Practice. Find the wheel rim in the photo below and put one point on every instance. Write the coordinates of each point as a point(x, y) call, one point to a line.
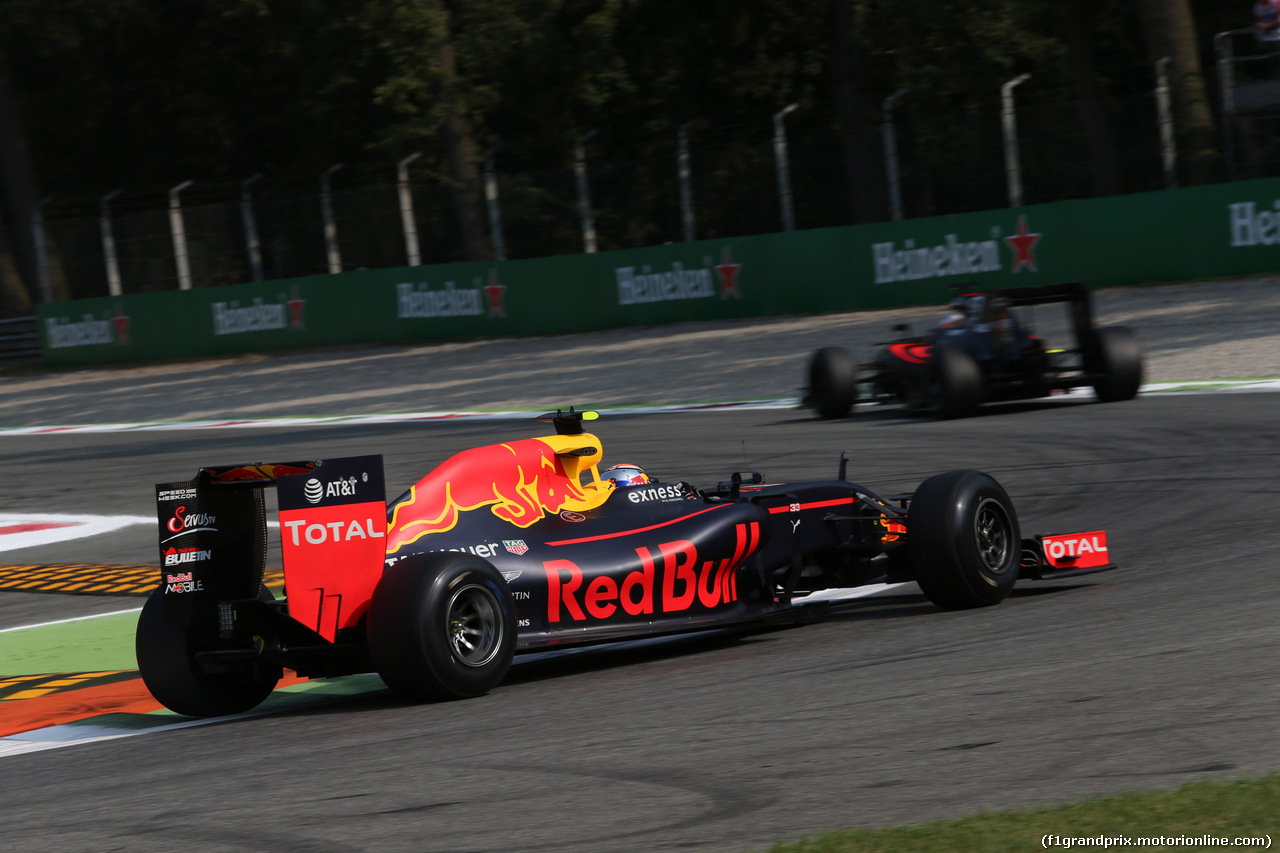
point(474, 625)
point(992, 532)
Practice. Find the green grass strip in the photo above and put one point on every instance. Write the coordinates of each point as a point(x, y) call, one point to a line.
point(86, 645)
point(1184, 817)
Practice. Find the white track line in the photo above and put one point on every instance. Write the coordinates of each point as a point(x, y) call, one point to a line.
point(72, 619)
point(67, 527)
point(71, 734)
point(1198, 386)
point(388, 418)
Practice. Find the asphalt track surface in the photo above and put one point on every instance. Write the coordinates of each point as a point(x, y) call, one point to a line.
point(890, 711)
point(886, 711)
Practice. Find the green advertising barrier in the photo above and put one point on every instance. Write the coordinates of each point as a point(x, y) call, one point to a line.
point(1193, 233)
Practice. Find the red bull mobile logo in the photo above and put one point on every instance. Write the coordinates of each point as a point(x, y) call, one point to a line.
point(522, 481)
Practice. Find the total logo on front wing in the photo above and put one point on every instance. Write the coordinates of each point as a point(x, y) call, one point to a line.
point(1077, 550)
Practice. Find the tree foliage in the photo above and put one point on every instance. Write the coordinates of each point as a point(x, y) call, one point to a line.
point(145, 93)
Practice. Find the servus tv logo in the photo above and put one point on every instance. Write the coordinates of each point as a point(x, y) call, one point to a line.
point(183, 523)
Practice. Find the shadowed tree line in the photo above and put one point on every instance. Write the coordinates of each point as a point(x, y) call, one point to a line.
point(100, 94)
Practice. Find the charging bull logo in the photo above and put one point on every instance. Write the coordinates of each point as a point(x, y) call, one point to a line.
point(522, 481)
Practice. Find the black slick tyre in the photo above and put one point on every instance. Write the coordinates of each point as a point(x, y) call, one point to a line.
point(1117, 367)
point(442, 626)
point(963, 540)
point(955, 383)
point(833, 382)
point(167, 661)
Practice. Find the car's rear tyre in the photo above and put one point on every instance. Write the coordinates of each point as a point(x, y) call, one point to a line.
point(963, 540)
point(833, 382)
point(955, 383)
point(167, 661)
point(442, 626)
point(1117, 364)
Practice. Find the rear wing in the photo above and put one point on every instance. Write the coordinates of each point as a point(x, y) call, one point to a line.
point(1072, 292)
point(213, 540)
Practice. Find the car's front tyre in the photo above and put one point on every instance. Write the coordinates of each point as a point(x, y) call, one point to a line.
point(963, 540)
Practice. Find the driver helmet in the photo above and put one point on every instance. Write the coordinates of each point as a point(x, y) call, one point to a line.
point(625, 475)
point(955, 318)
point(975, 307)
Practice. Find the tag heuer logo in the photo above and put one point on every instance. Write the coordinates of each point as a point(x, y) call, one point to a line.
point(515, 546)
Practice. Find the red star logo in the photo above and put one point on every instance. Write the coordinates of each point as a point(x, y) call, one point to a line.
point(1023, 246)
point(728, 271)
point(296, 306)
point(121, 321)
point(493, 292)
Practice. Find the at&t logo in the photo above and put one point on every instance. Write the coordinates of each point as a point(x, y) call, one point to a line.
point(315, 491)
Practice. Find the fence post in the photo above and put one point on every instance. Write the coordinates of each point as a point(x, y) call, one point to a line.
point(406, 209)
point(330, 227)
point(891, 156)
point(491, 202)
point(782, 163)
point(109, 243)
point(584, 193)
point(1164, 109)
point(1226, 84)
point(1008, 117)
point(250, 228)
point(179, 232)
point(685, 175)
point(42, 250)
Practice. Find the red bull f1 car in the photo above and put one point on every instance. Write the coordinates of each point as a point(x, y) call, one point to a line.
point(524, 545)
point(985, 350)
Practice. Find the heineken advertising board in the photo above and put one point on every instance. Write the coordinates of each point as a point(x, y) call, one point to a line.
point(1194, 233)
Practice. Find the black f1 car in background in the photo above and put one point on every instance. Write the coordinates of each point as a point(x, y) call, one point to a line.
point(523, 545)
point(985, 350)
